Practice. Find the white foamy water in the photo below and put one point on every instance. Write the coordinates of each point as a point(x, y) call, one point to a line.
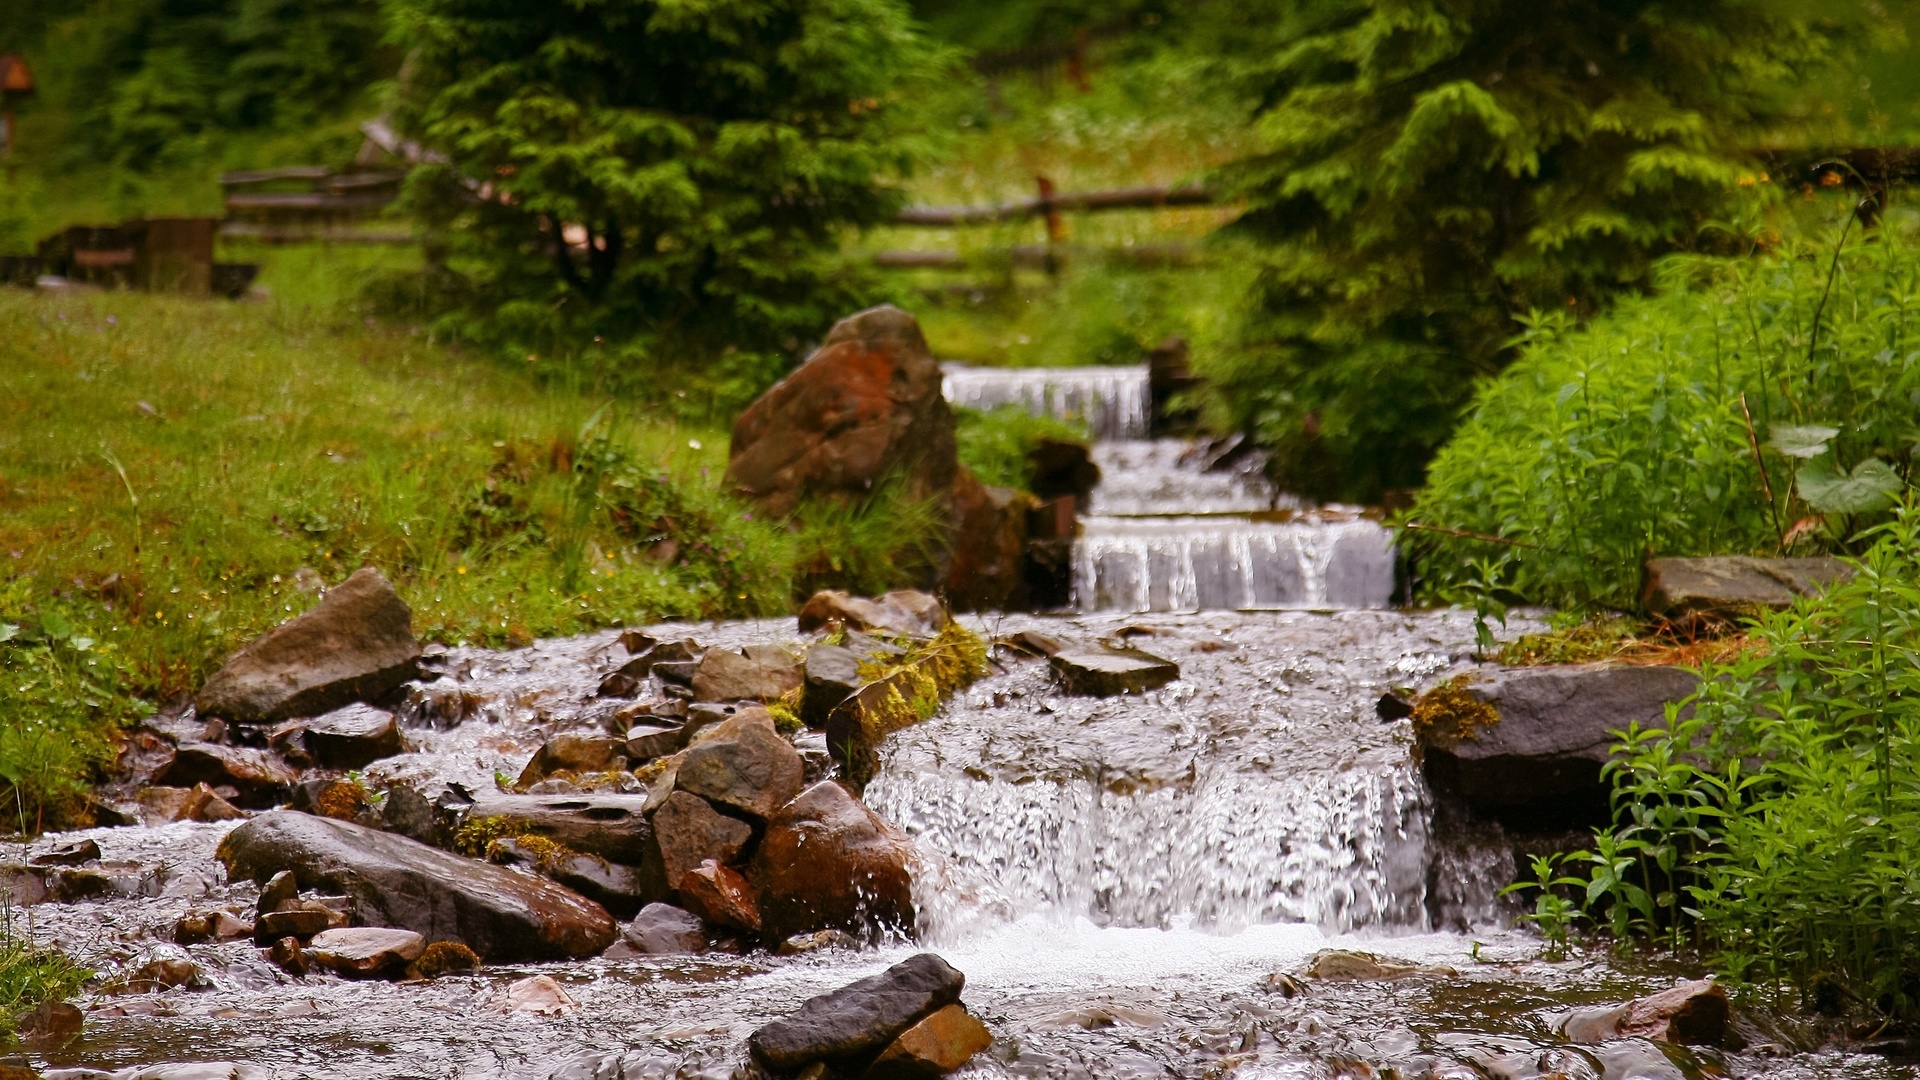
point(1113, 402)
point(1167, 477)
point(1224, 563)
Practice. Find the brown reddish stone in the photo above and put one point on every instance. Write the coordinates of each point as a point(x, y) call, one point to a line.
point(690, 831)
point(987, 571)
point(363, 951)
point(720, 895)
point(937, 1045)
point(865, 407)
point(827, 862)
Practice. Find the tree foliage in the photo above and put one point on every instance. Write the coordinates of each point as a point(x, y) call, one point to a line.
point(669, 176)
point(1430, 168)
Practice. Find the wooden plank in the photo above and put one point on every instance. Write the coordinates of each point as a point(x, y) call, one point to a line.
point(287, 234)
point(270, 176)
point(306, 201)
point(1153, 197)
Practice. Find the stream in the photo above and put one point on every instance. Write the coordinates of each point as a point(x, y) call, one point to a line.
point(1127, 882)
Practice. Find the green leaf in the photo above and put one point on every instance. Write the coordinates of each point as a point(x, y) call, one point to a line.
point(1809, 441)
point(9, 631)
point(55, 626)
point(1873, 485)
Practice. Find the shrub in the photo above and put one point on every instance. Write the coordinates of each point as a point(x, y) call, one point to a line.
point(1631, 438)
point(667, 179)
point(995, 444)
point(1427, 170)
point(1772, 827)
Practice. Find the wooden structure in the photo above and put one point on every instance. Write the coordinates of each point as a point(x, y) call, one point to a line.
point(172, 255)
point(307, 202)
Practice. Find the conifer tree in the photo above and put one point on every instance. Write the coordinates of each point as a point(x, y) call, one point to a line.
point(1429, 169)
point(671, 177)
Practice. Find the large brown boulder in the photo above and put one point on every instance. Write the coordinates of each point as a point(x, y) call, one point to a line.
point(390, 880)
point(987, 570)
point(865, 407)
point(828, 862)
point(355, 645)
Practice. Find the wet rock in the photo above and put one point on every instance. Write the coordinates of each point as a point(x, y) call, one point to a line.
point(1110, 672)
point(1391, 707)
point(201, 804)
point(816, 941)
point(724, 675)
point(646, 740)
point(440, 958)
point(942, 1042)
point(987, 570)
point(832, 675)
point(355, 645)
point(296, 923)
point(742, 763)
point(622, 890)
point(539, 995)
point(278, 891)
point(352, 737)
point(442, 707)
point(407, 812)
point(679, 672)
point(1062, 467)
point(1694, 1013)
point(329, 797)
point(720, 895)
point(856, 1022)
point(665, 930)
point(1034, 643)
point(574, 753)
point(612, 826)
point(903, 612)
point(1524, 746)
point(827, 862)
point(51, 1025)
point(619, 684)
point(637, 641)
point(289, 956)
point(866, 407)
point(197, 926)
point(72, 853)
point(362, 952)
point(393, 881)
point(1731, 587)
point(261, 778)
point(162, 967)
point(690, 831)
point(1341, 965)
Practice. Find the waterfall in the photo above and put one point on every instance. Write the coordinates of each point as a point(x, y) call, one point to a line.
point(1212, 563)
point(1114, 402)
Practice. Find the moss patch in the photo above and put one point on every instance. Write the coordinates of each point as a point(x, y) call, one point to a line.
point(1449, 713)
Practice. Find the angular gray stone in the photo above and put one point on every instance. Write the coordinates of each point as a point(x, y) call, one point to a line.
point(742, 763)
point(903, 613)
point(355, 645)
point(851, 1025)
point(622, 890)
point(392, 881)
point(647, 740)
point(573, 753)
point(1732, 586)
point(1108, 672)
point(351, 737)
point(665, 930)
point(725, 675)
point(690, 831)
point(832, 676)
point(365, 951)
point(1539, 763)
point(611, 826)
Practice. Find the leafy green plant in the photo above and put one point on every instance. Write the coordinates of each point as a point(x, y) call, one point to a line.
point(995, 444)
point(1709, 418)
point(31, 974)
point(1769, 825)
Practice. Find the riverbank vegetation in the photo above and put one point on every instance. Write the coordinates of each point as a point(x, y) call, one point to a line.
point(176, 477)
point(1753, 404)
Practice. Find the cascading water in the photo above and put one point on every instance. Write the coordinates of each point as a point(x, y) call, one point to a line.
point(1168, 529)
point(1114, 402)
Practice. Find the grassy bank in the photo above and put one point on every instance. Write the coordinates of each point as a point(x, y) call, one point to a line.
point(175, 476)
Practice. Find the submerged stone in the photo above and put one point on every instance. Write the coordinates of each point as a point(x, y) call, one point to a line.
point(1110, 672)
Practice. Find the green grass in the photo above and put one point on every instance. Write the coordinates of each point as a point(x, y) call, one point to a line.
point(32, 975)
point(167, 465)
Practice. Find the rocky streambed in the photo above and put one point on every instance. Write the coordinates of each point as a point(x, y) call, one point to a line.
point(1232, 873)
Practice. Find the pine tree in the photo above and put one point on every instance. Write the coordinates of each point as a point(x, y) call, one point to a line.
point(1429, 169)
point(671, 177)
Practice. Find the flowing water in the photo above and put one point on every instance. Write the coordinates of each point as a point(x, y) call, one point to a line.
point(1126, 882)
